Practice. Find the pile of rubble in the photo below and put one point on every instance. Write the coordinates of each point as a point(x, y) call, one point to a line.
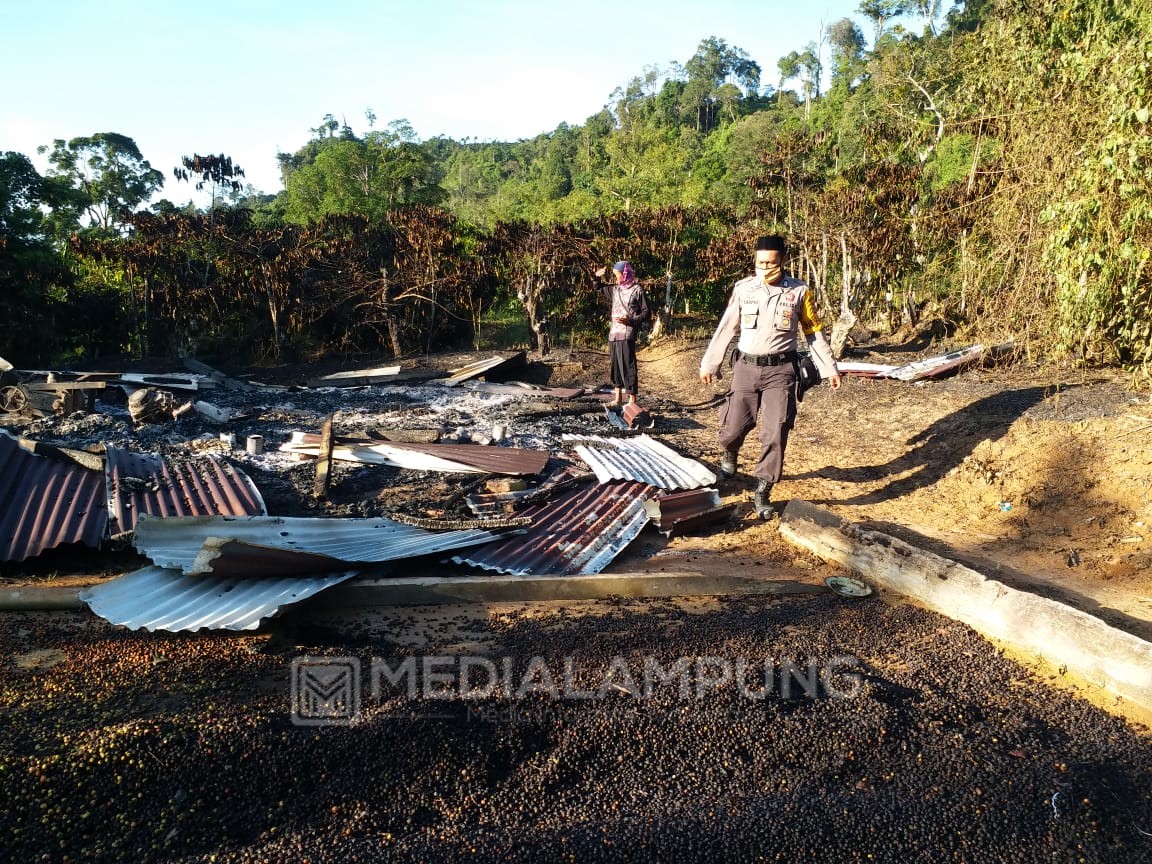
point(504, 476)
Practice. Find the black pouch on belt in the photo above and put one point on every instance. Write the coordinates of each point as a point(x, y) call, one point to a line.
point(807, 376)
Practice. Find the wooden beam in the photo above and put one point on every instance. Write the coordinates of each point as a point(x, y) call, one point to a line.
point(1118, 661)
point(324, 459)
point(194, 365)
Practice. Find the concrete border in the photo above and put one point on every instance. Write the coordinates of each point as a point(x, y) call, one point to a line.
point(472, 588)
point(41, 597)
point(502, 588)
point(1103, 655)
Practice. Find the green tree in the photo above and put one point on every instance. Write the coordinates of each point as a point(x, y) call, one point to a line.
point(368, 177)
point(30, 266)
point(880, 12)
point(109, 174)
point(645, 168)
point(472, 178)
point(716, 73)
point(847, 51)
point(805, 67)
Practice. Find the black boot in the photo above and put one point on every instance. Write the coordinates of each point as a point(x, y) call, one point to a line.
point(762, 499)
point(728, 464)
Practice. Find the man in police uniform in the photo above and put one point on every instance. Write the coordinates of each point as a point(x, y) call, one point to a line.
point(768, 310)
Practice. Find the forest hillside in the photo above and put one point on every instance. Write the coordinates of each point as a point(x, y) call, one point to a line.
point(990, 168)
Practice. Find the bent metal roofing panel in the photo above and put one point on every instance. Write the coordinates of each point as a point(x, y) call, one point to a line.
point(140, 484)
point(176, 542)
point(47, 503)
point(452, 458)
point(578, 532)
point(156, 598)
point(641, 458)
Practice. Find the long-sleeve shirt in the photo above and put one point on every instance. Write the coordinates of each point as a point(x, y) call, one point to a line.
point(625, 302)
point(769, 319)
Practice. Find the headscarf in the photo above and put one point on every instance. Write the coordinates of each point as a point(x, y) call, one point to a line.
point(627, 274)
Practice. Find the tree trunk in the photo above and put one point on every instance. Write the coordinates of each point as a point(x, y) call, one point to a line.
point(389, 315)
point(530, 297)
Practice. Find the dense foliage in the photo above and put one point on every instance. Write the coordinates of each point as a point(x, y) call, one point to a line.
point(991, 166)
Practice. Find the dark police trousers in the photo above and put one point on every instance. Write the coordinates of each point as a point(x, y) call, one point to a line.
point(767, 394)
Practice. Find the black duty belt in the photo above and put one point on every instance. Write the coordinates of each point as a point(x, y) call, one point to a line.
point(769, 359)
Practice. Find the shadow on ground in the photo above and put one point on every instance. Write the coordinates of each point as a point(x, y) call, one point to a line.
point(936, 450)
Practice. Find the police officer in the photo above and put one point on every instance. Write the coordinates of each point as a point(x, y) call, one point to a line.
point(767, 310)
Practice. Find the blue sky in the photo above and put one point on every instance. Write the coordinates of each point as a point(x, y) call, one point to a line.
point(249, 78)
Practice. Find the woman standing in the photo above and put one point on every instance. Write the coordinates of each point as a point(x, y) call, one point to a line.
point(629, 309)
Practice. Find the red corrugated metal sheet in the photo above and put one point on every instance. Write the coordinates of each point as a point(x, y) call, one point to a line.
point(637, 417)
point(46, 503)
point(678, 505)
point(681, 512)
point(580, 532)
point(207, 486)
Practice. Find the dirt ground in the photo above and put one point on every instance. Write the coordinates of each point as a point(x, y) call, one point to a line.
point(181, 746)
point(1039, 477)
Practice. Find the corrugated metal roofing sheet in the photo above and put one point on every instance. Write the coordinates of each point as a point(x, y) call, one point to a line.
point(205, 486)
point(641, 458)
point(493, 460)
point(678, 505)
point(46, 503)
point(680, 512)
point(176, 542)
point(375, 372)
point(156, 598)
point(580, 532)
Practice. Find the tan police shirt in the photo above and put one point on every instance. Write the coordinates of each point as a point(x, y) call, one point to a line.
point(768, 319)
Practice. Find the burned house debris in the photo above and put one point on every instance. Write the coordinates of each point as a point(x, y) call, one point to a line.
point(568, 504)
point(436, 468)
point(63, 498)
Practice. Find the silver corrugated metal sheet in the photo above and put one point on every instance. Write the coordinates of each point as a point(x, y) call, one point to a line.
point(46, 503)
point(174, 381)
point(375, 372)
point(865, 370)
point(205, 486)
point(176, 542)
point(641, 458)
point(580, 532)
point(156, 598)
